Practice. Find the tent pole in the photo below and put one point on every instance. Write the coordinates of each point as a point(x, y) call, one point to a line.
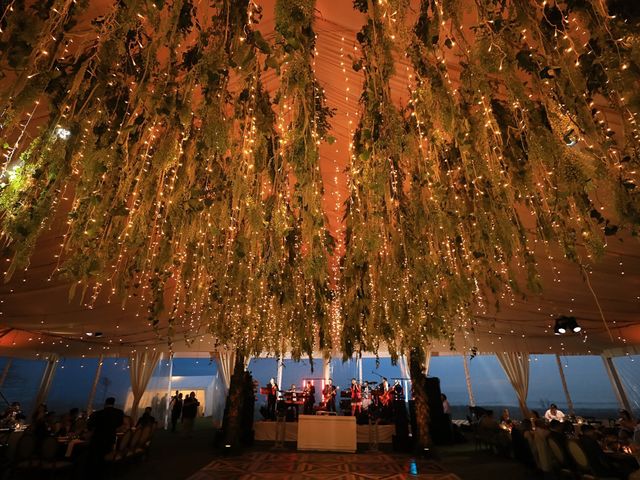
point(616, 383)
point(169, 389)
point(467, 377)
point(280, 365)
point(5, 371)
point(564, 385)
point(94, 385)
point(360, 369)
point(47, 380)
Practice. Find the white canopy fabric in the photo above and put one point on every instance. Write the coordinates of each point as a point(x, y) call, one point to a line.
point(516, 367)
point(226, 359)
point(37, 317)
point(141, 367)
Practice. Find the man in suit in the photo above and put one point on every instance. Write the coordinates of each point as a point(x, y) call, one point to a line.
point(103, 425)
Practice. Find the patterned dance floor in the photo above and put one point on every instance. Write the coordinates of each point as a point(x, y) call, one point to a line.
point(322, 466)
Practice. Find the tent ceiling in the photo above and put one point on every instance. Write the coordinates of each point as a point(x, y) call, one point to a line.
point(36, 315)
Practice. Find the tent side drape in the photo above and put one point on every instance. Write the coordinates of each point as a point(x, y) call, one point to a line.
point(404, 367)
point(141, 367)
point(5, 371)
point(226, 359)
point(427, 361)
point(47, 379)
point(94, 385)
point(516, 366)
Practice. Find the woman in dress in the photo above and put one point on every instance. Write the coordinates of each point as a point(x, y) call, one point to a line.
point(356, 398)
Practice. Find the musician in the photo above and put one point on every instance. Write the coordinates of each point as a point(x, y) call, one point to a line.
point(398, 391)
point(356, 398)
point(366, 395)
point(384, 385)
point(309, 394)
point(272, 398)
point(329, 395)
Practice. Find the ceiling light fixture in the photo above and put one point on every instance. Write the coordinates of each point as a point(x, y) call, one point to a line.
point(565, 324)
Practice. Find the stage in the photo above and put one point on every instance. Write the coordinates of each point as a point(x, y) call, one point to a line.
point(266, 431)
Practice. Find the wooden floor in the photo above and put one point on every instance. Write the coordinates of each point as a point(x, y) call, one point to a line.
point(287, 465)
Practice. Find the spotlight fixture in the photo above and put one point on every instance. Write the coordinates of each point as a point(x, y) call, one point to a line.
point(565, 324)
point(93, 334)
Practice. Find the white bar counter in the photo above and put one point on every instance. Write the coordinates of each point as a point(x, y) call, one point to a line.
point(328, 433)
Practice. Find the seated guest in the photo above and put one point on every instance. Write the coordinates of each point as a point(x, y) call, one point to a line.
point(505, 417)
point(68, 423)
point(627, 423)
point(146, 419)
point(12, 415)
point(521, 439)
point(556, 433)
point(598, 460)
point(543, 456)
point(445, 404)
point(489, 430)
point(554, 414)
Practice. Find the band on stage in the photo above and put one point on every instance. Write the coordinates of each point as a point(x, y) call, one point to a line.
point(369, 397)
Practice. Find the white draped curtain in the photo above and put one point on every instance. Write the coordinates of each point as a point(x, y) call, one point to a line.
point(141, 367)
point(404, 367)
point(427, 361)
point(226, 360)
point(516, 366)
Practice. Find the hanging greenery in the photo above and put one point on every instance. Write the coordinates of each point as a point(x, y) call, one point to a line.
point(451, 195)
point(187, 189)
point(181, 175)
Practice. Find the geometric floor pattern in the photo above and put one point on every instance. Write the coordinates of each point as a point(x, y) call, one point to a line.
point(322, 466)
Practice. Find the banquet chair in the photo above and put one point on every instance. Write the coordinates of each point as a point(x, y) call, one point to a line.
point(582, 462)
point(50, 460)
point(121, 447)
point(145, 441)
point(135, 442)
point(563, 469)
point(25, 457)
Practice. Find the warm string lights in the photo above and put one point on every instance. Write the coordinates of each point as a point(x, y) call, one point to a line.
point(194, 193)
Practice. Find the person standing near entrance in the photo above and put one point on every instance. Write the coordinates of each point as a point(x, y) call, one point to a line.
point(176, 410)
point(189, 413)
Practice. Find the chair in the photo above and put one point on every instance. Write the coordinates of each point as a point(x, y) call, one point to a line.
point(50, 460)
point(563, 469)
point(135, 442)
point(120, 450)
point(582, 461)
point(25, 455)
point(145, 440)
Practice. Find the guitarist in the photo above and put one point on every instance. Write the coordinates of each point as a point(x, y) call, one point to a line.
point(329, 395)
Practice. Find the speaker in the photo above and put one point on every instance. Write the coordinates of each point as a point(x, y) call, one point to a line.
point(439, 423)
